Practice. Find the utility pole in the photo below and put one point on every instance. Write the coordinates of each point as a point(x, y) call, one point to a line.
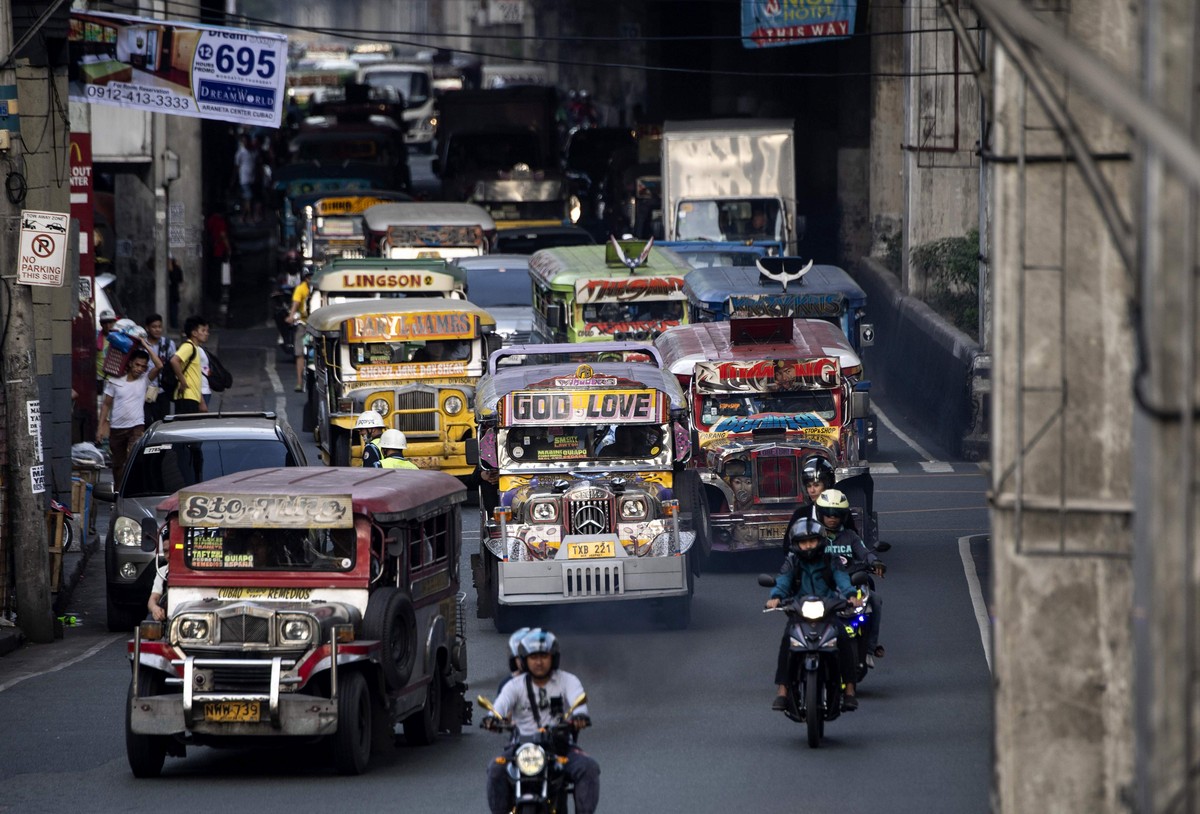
point(26, 507)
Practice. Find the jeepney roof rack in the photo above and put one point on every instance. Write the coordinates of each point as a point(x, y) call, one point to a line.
point(575, 351)
point(761, 331)
point(782, 270)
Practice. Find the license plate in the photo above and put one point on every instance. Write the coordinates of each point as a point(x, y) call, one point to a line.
point(232, 712)
point(775, 531)
point(589, 551)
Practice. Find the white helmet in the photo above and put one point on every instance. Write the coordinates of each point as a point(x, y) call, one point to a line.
point(392, 439)
point(368, 419)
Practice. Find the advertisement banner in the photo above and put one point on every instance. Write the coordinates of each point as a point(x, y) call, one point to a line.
point(163, 66)
point(771, 23)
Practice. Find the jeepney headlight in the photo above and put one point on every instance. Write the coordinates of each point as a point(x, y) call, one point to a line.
point(633, 508)
point(295, 629)
point(127, 532)
point(453, 405)
point(380, 406)
point(813, 610)
point(193, 629)
point(531, 759)
point(544, 511)
point(576, 210)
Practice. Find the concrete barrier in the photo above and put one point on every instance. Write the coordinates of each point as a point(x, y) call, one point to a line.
point(934, 372)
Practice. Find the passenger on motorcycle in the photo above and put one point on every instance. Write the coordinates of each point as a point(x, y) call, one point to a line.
point(545, 691)
point(817, 476)
point(515, 665)
point(808, 571)
point(848, 549)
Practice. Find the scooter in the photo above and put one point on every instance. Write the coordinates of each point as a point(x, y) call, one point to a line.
point(814, 674)
point(537, 772)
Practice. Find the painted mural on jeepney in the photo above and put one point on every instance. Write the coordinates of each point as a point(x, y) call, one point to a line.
point(628, 289)
point(435, 236)
point(775, 304)
point(820, 373)
point(645, 330)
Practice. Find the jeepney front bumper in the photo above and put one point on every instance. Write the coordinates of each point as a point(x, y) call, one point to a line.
point(749, 530)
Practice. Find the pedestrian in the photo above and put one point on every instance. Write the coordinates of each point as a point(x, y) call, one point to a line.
point(158, 407)
point(297, 315)
point(107, 320)
point(122, 413)
point(246, 162)
point(205, 388)
point(220, 250)
point(186, 363)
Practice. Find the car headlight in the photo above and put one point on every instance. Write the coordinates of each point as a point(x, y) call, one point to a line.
point(545, 511)
point(453, 405)
point(634, 508)
point(295, 629)
point(531, 759)
point(813, 610)
point(193, 629)
point(380, 406)
point(127, 531)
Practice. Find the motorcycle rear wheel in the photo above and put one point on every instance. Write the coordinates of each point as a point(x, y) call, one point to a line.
point(814, 717)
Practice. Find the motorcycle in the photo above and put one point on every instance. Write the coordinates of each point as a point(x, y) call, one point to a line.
point(68, 536)
point(858, 618)
point(281, 306)
point(814, 675)
point(537, 773)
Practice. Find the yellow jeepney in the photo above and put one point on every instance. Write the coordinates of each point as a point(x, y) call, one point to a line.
point(415, 362)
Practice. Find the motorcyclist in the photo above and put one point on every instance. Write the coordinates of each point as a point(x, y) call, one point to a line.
point(808, 571)
point(847, 548)
point(554, 691)
point(370, 424)
point(516, 666)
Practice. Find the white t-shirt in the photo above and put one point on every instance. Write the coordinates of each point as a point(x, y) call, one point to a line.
point(128, 397)
point(245, 160)
point(513, 701)
point(205, 390)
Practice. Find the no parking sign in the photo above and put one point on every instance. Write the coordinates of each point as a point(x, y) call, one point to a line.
point(43, 248)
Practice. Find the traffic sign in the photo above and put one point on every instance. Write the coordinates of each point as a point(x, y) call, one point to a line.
point(43, 248)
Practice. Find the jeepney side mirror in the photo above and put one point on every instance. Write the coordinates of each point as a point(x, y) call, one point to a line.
point(860, 404)
point(471, 450)
point(554, 315)
point(150, 535)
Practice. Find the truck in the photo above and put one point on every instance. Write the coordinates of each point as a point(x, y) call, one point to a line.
point(499, 148)
point(732, 181)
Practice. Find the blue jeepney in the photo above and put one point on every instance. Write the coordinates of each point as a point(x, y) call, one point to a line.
point(702, 254)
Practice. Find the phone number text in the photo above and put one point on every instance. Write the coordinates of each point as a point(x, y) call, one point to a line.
point(135, 96)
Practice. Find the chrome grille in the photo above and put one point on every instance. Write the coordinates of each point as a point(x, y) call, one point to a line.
point(251, 678)
point(778, 477)
point(589, 516)
point(245, 629)
point(593, 579)
point(416, 422)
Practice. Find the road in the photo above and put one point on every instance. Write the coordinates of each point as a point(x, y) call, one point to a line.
point(682, 719)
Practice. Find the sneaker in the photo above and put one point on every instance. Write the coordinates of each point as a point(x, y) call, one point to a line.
point(779, 704)
point(849, 703)
point(870, 661)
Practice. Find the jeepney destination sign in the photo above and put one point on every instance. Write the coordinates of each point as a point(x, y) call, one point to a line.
point(611, 407)
point(228, 510)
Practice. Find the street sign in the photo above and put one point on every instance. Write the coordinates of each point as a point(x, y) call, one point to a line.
point(43, 248)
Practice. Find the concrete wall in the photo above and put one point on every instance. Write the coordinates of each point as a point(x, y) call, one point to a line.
point(886, 172)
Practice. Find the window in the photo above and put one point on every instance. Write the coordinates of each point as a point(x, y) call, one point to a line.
point(430, 543)
point(273, 549)
point(162, 469)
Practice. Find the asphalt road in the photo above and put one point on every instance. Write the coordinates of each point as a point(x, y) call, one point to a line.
point(682, 719)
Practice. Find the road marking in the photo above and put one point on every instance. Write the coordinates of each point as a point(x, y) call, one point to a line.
point(86, 655)
point(884, 469)
point(981, 614)
point(920, 450)
point(936, 467)
point(276, 385)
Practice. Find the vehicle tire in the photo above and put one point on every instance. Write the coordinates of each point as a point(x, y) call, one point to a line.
point(453, 702)
point(339, 448)
point(68, 534)
point(146, 753)
point(121, 619)
point(352, 741)
point(390, 619)
point(421, 728)
point(693, 504)
point(814, 717)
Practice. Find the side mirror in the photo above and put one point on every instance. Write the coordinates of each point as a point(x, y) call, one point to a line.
point(104, 492)
point(766, 580)
point(881, 546)
point(866, 334)
point(860, 404)
point(554, 315)
point(150, 534)
point(471, 450)
point(860, 578)
point(486, 704)
point(577, 703)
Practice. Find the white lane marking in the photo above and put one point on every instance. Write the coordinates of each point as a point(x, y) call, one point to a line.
point(981, 614)
point(884, 469)
point(276, 385)
point(85, 655)
point(920, 450)
point(936, 467)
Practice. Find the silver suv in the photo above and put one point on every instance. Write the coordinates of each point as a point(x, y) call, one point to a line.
point(173, 454)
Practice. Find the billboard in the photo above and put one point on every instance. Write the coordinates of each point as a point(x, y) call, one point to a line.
point(162, 66)
point(771, 23)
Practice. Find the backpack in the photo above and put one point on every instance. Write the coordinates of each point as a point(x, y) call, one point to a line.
point(219, 378)
point(168, 382)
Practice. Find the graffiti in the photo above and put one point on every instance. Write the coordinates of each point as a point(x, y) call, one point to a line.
point(626, 289)
point(628, 330)
point(767, 375)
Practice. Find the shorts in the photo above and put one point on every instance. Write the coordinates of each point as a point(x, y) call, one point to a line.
point(248, 191)
point(298, 340)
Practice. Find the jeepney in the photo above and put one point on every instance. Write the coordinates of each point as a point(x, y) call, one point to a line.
point(414, 361)
point(331, 226)
point(377, 278)
point(766, 395)
point(303, 603)
point(583, 491)
point(293, 181)
point(625, 290)
point(401, 231)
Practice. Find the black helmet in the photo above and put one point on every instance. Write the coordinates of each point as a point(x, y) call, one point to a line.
point(540, 641)
point(818, 469)
point(805, 528)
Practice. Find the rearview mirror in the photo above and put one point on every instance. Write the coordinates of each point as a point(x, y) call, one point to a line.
point(103, 491)
point(579, 702)
point(766, 580)
point(471, 450)
point(860, 404)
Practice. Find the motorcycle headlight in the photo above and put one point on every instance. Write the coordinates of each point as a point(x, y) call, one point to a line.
point(633, 508)
point(531, 759)
point(812, 610)
point(380, 406)
point(295, 630)
point(127, 531)
point(193, 629)
point(452, 405)
point(544, 511)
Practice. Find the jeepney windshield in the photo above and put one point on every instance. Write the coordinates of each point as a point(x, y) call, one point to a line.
point(820, 403)
point(585, 442)
point(643, 310)
point(269, 549)
point(339, 227)
point(735, 219)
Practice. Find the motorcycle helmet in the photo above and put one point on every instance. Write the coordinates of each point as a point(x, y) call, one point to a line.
point(833, 503)
point(540, 641)
point(368, 419)
point(392, 439)
point(805, 528)
point(818, 469)
point(514, 643)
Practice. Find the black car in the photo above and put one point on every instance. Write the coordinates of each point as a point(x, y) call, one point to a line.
point(175, 453)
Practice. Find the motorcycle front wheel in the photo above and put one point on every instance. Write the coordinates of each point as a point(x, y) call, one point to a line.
point(814, 716)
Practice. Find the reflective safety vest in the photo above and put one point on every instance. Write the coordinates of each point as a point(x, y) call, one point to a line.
point(399, 463)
